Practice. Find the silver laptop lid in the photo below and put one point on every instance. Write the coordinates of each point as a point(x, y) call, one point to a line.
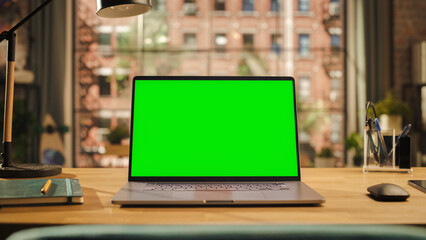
point(213, 129)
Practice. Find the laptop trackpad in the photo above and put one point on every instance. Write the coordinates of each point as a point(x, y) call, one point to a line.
point(218, 195)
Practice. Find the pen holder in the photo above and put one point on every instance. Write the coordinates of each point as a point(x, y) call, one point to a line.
point(382, 154)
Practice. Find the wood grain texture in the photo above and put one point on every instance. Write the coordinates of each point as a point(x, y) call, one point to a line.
point(10, 84)
point(345, 190)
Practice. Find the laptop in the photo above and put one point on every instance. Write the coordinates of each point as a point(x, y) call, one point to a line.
point(214, 141)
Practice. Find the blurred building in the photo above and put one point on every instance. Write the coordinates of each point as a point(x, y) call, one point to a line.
point(300, 38)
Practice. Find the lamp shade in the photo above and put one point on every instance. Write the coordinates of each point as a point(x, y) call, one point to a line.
point(123, 8)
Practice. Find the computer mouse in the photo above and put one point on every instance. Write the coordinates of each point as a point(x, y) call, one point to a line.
point(388, 192)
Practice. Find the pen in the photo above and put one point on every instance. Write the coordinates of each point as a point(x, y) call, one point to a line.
point(380, 136)
point(403, 133)
point(46, 186)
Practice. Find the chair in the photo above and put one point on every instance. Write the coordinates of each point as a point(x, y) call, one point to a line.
point(223, 232)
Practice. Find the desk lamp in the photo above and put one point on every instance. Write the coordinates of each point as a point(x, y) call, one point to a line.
point(106, 8)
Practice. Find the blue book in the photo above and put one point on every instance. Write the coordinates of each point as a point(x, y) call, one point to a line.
point(28, 192)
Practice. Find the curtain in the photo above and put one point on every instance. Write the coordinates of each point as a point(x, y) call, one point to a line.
point(48, 57)
point(51, 61)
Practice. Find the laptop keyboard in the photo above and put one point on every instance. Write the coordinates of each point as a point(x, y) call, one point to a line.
point(215, 186)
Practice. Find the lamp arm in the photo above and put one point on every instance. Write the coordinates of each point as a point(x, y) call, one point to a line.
point(34, 12)
point(7, 34)
point(10, 36)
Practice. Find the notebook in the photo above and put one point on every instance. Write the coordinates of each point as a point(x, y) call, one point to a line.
point(28, 191)
point(214, 141)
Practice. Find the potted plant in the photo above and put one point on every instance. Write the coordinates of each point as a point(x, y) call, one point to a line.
point(325, 158)
point(391, 112)
point(115, 138)
point(354, 142)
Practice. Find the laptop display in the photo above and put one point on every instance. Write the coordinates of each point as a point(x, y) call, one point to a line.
point(214, 127)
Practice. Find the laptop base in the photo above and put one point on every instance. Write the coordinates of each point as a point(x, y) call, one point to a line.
point(134, 193)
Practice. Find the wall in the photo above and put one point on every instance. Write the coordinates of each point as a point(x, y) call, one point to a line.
point(409, 27)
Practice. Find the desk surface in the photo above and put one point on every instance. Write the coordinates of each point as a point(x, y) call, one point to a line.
point(344, 189)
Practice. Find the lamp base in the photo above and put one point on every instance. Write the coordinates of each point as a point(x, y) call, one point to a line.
point(30, 170)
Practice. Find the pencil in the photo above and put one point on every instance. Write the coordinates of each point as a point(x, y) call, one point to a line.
point(46, 187)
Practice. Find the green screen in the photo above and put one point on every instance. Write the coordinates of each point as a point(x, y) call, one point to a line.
point(213, 128)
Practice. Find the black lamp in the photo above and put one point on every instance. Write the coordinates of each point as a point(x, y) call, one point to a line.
point(125, 8)
point(106, 8)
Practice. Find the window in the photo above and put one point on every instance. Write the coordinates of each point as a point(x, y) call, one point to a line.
point(104, 40)
point(123, 37)
point(336, 128)
point(304, 6)
point(276, 40)
point(104, 85)
point(219, 5)
point(105, 122)
point(104, 126)
point(190, 40)
point(248, 5)
point(190, 7)
point(104, 81)
point(304, 45)
point(158, 5)
point(335, 41)
point(104, 35)
point(248, 41)
point(335, 89)
point(204, 38)
point(334, 8)
point(304, 88)
point(220, 42)
point(275, 5)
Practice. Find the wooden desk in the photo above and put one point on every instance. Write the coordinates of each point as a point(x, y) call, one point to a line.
point(344, 189)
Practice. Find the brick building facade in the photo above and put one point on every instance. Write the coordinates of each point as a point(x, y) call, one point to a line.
point(300, 38)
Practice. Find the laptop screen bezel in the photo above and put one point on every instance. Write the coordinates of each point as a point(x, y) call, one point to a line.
point(213, 179)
